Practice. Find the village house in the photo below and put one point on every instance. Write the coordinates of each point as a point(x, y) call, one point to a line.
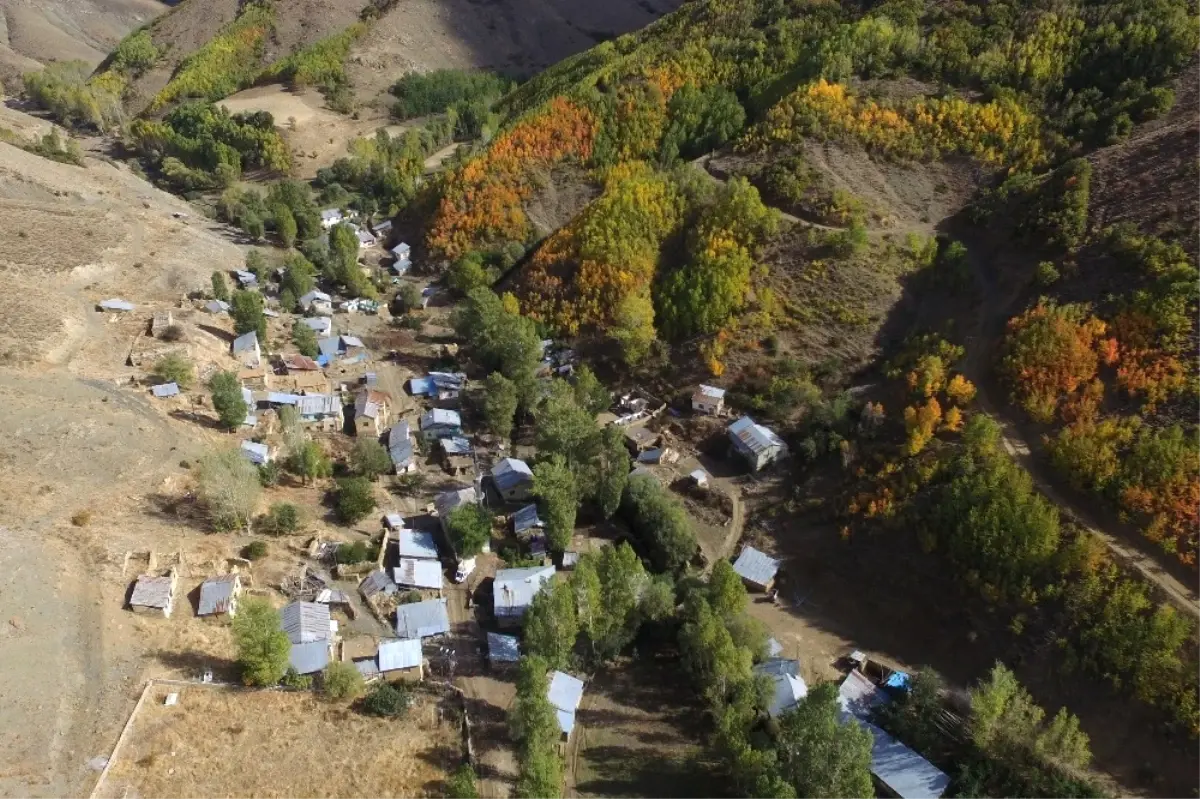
point(311, 632)
point(300, 363)
point(164, 390)
point(757, 569)
point(317, 302)
point(513, 591)
point(565, 694)
point(323, 411)
point(525, 520)
point(440, 423)
point(709, 400)
point(787, 686)
point(331, 217)
point(377, 583)
point(513, 479)
point(401, 660)
point(372, 412)
point(247, 280)
point(504, 651)
point(365, 238)
point(219, 595)
point(422, 619)
point(756, 444)
point(382, 229)
point(297, 382)
point(321, 325)
point(657, 455)
point(455, 454)
point(418, 573)
point(400, 448)
point(446, 503)
point(640, 438)
point(402, 258)
point(154, 595)
point(245, 348)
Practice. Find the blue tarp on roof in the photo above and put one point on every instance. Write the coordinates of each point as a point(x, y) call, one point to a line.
point(897, 680)
point(421, 386)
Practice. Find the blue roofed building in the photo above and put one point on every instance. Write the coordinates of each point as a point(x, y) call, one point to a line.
point(416, 544)
point(400, 448)
point(526, 519)
point(440, 423)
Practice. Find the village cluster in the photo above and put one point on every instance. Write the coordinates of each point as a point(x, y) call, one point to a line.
point(344, 391)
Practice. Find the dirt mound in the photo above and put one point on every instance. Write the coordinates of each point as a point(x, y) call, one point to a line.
point(517, 37)
point(1150, 179)
point(35, 33)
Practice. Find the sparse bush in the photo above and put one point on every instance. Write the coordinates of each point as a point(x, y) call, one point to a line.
point(341, 680)
point(175, 368)
point(283, 518)
point(174, 333)
point(81, 518)
point(228, 488)
point(255, 550)
point(387, 700)
point(268, 474)
point(296, 681)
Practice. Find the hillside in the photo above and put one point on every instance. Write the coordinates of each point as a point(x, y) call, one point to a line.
point(35, 33)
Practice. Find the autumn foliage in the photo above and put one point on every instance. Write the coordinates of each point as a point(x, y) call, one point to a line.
point(482, 202)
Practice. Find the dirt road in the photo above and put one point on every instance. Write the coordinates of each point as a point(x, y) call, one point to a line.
point(994, 310)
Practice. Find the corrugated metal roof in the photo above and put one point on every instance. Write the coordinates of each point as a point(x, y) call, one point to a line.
point(455, 445)
point(565, 694)
point(150, 591)
point(712, 392)
point(314, 296)
point(377, 582)
point(773, 647)
point(166, 390)
point(318, 405)
point(418, 573)
point(116, 304)
point(503, 648)
point(903, 771)
point(753, 437)
point(401, 249)
point(369, 403)
point(216, 306)
point(305, 622)
point(246, 278)
point(330, 214)
point(352, 341)
point(422, 619)
point(309, 657)
point(367, 668)
point(651, 456)
point(300, 363)
point(788, 687)
point(421, 386)
point(403, 654)
point(858, 696)
point(416, 544)
point(257, 453)
point(699, 476)
point(216, 593)
point(447, 501)
point(282, 398)
point(329, 347)
point(510, 473)
point(526, 519)
point(248, 397)
point(514, 589)
point(399, 434)
point(394, 521)
point(757, 567)
point(402, 454)
point(245, 342)
point(333, 596)
point(440, 417)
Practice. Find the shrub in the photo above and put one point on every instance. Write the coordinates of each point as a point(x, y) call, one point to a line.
point(355, 499)
point(341, 680)
point(175, 368)
point(174, 333)
point(295, 680)
point(461, 784)
point(228, 489)
point(1047, 274)
point(81, 518)
point(255, 550)
point(350, 554)
point(387, 700)
point(268, 474)
point(281, 519)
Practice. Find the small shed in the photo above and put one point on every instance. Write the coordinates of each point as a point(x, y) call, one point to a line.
point(709, 400)
point(165, 390)
point(788, 688)
point(246, 349)
point(526, 519)
point(258, 454)
point(401, 660)
point(422, 619)
point(393, 521)
point(503, 650)
point(514, 479)
point(116, 305)
point(310, 657)
point(219, 595)
point(757, 569)
point(153, 595)
point(565, 694)
point(216, 306)
point(377, 583)
point(640, 438)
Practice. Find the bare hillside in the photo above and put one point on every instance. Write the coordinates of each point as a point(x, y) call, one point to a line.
point(34, 32)
point(514, 36)
point(1150, 179)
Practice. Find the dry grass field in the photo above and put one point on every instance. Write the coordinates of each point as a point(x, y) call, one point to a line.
point(229, 742)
